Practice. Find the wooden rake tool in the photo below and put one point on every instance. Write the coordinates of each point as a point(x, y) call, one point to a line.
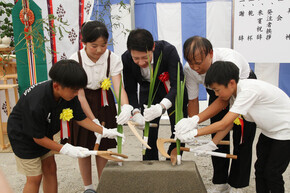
point(173, 155)
point(133, 129)
point(160, 144)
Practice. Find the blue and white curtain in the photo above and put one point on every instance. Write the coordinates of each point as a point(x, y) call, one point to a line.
point(170, 20)
point(177, 20)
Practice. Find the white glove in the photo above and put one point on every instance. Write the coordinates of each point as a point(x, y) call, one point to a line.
point(140, 120)
point(153, 112)
point(98, 137)
point(188, 137)
point(97, 134)
point(97, 122)
point(210, 146)
point(74, 151)
point(112, 133)
point(125, 114)
point(187, 124)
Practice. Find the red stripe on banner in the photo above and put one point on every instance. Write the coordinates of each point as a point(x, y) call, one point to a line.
point(81, 21)
point(31, 62)
point(52, 35)
point(30, 48)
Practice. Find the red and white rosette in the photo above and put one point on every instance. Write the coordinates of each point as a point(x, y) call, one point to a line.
point(164, 77)
point(242, 130)
point(104, 98)
point(64, 129)
point(65, 117)
point(240, 121)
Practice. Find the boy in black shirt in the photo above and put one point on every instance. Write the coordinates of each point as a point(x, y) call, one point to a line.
point(36, 118)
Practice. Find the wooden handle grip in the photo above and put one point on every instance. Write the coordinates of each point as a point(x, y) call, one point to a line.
point(96, 146)
point(184, 149)
point(231, 156)
point(153, 125)
point(224, 143)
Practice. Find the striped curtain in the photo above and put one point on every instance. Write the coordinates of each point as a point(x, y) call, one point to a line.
point(171, 20)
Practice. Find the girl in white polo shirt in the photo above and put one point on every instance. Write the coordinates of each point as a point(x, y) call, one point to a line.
point(100, 65)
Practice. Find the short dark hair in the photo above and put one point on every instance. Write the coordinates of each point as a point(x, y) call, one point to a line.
point(221, 72)
point(92, 30)
point(140, 40)
point(195, 43)
point(69, 73)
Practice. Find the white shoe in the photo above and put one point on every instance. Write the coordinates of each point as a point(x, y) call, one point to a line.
point(220, 188)
point(236, 190)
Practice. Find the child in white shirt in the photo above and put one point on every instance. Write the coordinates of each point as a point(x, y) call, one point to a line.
point(259, 102)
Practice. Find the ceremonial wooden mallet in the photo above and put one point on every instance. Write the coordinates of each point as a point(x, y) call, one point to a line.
point(133, 129)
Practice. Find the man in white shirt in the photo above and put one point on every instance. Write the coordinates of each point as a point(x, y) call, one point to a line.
point(257, 101)
point(200, 54)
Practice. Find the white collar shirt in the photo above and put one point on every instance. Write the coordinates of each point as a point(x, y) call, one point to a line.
point(266, 105)
point(97, 71)
point(193, 79)
point(145, 72)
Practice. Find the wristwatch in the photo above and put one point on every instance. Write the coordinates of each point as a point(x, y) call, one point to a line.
point(134, 111)
point(163, 109)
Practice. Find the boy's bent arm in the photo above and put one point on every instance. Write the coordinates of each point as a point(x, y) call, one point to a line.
point(221, 134)
point(221, 127)
point(48, 143)
point(213, 109)
point(90, 125)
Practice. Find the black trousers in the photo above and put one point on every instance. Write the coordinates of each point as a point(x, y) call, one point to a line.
point(273, 158)
point(152, 154)
point(239, 174)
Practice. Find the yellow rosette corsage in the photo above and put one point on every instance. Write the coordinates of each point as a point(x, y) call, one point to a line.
point(237, 120)
point(65, 117)
point(106, 84)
